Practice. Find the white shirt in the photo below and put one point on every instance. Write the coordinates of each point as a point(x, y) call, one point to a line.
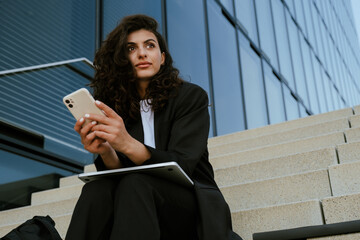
point(147, 118)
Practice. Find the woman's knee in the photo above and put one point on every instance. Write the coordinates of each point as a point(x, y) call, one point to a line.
point(134, 184)
point(98, 189)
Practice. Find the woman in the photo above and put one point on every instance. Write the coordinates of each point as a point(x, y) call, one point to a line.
point(152, 116)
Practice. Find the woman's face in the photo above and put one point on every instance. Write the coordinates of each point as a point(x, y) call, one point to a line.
point(144, 53)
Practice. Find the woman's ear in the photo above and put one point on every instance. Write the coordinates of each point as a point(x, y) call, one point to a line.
point(162, 58)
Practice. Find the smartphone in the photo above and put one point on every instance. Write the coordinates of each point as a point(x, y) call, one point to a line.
point(80, 103)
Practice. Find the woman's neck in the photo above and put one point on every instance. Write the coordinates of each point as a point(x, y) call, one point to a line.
point(142, 86)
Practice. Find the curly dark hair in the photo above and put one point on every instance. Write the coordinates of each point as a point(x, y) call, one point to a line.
point(115, 81)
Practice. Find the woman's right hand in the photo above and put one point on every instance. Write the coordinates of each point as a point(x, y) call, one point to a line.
point(91, 143)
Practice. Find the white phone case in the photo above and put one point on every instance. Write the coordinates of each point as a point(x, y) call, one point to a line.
point(80, 103)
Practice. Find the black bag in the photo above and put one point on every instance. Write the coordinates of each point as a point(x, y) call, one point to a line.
point(37, 228)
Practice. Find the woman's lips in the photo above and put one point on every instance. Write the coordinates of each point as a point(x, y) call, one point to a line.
point(143, 65)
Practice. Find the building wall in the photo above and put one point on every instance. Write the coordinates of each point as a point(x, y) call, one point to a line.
point(261, 62)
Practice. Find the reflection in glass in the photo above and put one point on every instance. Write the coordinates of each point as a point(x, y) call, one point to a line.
point(229, 112)
point(255, 103)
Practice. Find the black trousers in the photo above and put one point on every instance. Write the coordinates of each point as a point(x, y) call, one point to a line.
point(135, 206)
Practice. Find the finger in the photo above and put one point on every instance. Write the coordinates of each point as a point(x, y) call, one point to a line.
point(103, 135)
point(78, 125)
point(106, 109)
point(98, 118)
point(103, 128)
point(87, 128)
point(89, 139)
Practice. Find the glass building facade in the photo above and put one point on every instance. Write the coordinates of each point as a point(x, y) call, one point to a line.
point(261, 62)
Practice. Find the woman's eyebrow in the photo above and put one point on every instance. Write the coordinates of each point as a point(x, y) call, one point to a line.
point(149, 40)
point(146, 41)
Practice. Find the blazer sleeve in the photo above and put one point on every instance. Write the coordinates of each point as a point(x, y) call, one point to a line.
point(189, 130)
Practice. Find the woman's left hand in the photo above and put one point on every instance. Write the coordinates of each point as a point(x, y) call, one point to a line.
point(111, 127)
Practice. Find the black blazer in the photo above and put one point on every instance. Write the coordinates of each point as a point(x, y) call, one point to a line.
point(181, 133)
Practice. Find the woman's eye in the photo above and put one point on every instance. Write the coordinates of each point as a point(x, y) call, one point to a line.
point(150, 45)
point(131, 49)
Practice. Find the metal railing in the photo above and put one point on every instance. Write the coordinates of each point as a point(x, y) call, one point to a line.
point(66, 63)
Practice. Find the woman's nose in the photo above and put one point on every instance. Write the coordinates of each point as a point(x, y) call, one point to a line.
point(142, 52)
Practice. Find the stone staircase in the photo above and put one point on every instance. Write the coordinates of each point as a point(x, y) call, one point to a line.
point(298, 173)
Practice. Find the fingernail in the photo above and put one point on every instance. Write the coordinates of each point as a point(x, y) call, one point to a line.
point(87, 115)
point(81, 120)
point(93, 122)
point(97, 102)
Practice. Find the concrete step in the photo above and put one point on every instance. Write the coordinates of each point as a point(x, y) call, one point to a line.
point(354, 121)
point(281, 127)
point(352, 134)
point(56, 195)
point(349, 152)
point(61, 225)
point(18, 215)
point(357, 110)
point(281, 137)
point(70, 181)
point(277, 218)
point(276, 191)
point(244, 222)
point(341, 208)
point(353, 236)
point(279, 150)
point(276, 167)
point(345, 178)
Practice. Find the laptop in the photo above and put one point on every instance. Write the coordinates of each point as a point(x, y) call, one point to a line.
point(169, 171)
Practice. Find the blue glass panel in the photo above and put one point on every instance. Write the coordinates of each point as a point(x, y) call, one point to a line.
point(228, 4)
point(301, 86)
point(319, 84)
point(187, 41)
point(309, 73)
point(309, 23)
point(282, 42)
point(255, 104)
point(266, 31)
point(245, 12)
point(328, 91)
point(290, 5)
point(291, 105)
point(229, 112)
point(303, 112)
point(42, 31)
point(299, 11)
point(115, 10)
point(274, 96)
point(315, 20)
point(323, 50)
